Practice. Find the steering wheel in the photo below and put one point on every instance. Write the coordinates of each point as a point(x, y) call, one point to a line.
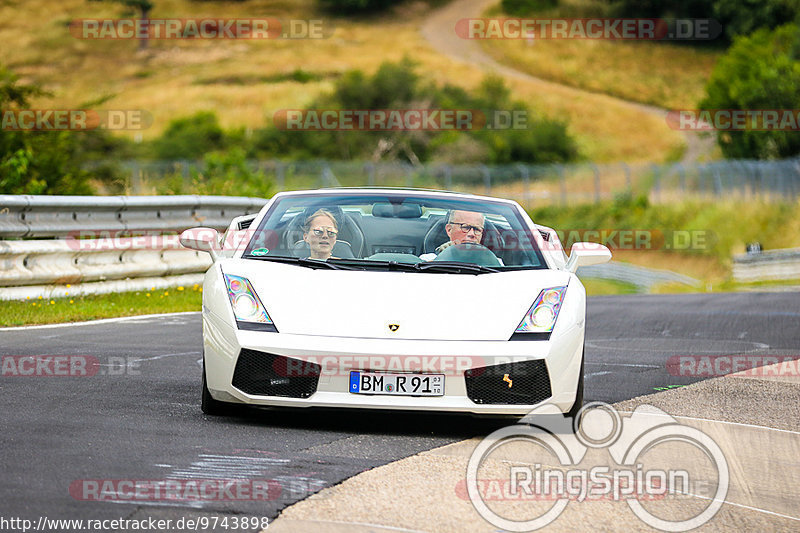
point(469, 252)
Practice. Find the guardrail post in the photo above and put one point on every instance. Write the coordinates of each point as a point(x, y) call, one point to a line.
point(448, 177)
point(487, 179)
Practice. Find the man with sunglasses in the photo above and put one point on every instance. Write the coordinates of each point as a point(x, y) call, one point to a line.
point(320, 231)
point(461, 227)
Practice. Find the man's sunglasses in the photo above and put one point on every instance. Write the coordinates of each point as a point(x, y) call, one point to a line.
point(467, 227)
point(321, 232)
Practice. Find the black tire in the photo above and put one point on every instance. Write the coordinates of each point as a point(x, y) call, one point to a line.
point(573, 412)
point(209, 405)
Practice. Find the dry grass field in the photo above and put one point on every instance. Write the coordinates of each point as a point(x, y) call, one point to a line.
point(246, 81)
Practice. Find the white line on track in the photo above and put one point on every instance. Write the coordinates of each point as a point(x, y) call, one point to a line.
point(623, 364)
point(100, 321)
point(758, 509)
point(755, 426)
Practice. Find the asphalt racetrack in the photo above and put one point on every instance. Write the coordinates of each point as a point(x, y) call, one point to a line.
point(139, 417)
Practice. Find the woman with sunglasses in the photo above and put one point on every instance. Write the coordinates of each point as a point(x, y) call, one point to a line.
point(320, 231)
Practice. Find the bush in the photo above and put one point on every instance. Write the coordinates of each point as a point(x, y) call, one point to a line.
point(350, 7)
point(737, 17)
point(758, 72)
point(190, 137)
point(398, 86)
point(224, 173)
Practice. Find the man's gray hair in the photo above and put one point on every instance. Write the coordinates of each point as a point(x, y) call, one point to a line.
point(452, 212)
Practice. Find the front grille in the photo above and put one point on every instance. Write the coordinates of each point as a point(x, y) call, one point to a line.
point(530, 383)
point(267, 374)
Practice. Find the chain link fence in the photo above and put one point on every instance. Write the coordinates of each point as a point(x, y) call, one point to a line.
point(531, 185)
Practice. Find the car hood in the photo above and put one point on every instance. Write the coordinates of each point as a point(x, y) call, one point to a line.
point(343, 303)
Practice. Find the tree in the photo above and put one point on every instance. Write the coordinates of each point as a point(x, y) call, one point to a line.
point(45, 162)
point(144, 7)
point(758, 72)
point(743, 17)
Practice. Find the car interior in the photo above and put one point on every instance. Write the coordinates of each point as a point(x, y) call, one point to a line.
point(384, 231)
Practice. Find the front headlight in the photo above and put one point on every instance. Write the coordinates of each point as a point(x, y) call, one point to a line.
point(541, 317)
point(247, 308)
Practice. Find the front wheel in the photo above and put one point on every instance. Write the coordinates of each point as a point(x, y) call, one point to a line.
point(576, 407)
point(209, 405)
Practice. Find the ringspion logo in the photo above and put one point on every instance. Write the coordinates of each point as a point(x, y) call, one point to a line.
point(547, 462)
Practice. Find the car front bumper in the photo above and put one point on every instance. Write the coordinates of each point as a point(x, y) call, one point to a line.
point(223, 343)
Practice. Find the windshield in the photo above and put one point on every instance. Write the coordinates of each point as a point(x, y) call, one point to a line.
point(389, 231)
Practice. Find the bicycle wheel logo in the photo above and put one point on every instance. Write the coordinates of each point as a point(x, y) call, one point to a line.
point(643, 438)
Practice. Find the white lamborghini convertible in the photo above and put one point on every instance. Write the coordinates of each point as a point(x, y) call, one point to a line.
point(392, 299)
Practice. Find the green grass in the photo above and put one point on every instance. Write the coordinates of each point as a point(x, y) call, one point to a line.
point(81, 308)
point(604, 287)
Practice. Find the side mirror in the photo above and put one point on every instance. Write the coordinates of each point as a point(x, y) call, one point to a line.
point(586, 254)
point(203, 240)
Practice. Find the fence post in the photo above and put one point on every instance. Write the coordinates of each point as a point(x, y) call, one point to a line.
point(717, 182)
point(656, 181)
point(136, 177)
point(628, 182)
point(448, 177)
point(185, 173)
point(370, 169)
point(280, 175)
point(526, 182)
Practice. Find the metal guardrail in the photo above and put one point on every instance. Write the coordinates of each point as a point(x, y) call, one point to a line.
point(767, 265)
point(643, 278)
point(61, 216)
point(111, 262)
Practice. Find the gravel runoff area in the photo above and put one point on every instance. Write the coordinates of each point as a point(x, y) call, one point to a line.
point(753, 416)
